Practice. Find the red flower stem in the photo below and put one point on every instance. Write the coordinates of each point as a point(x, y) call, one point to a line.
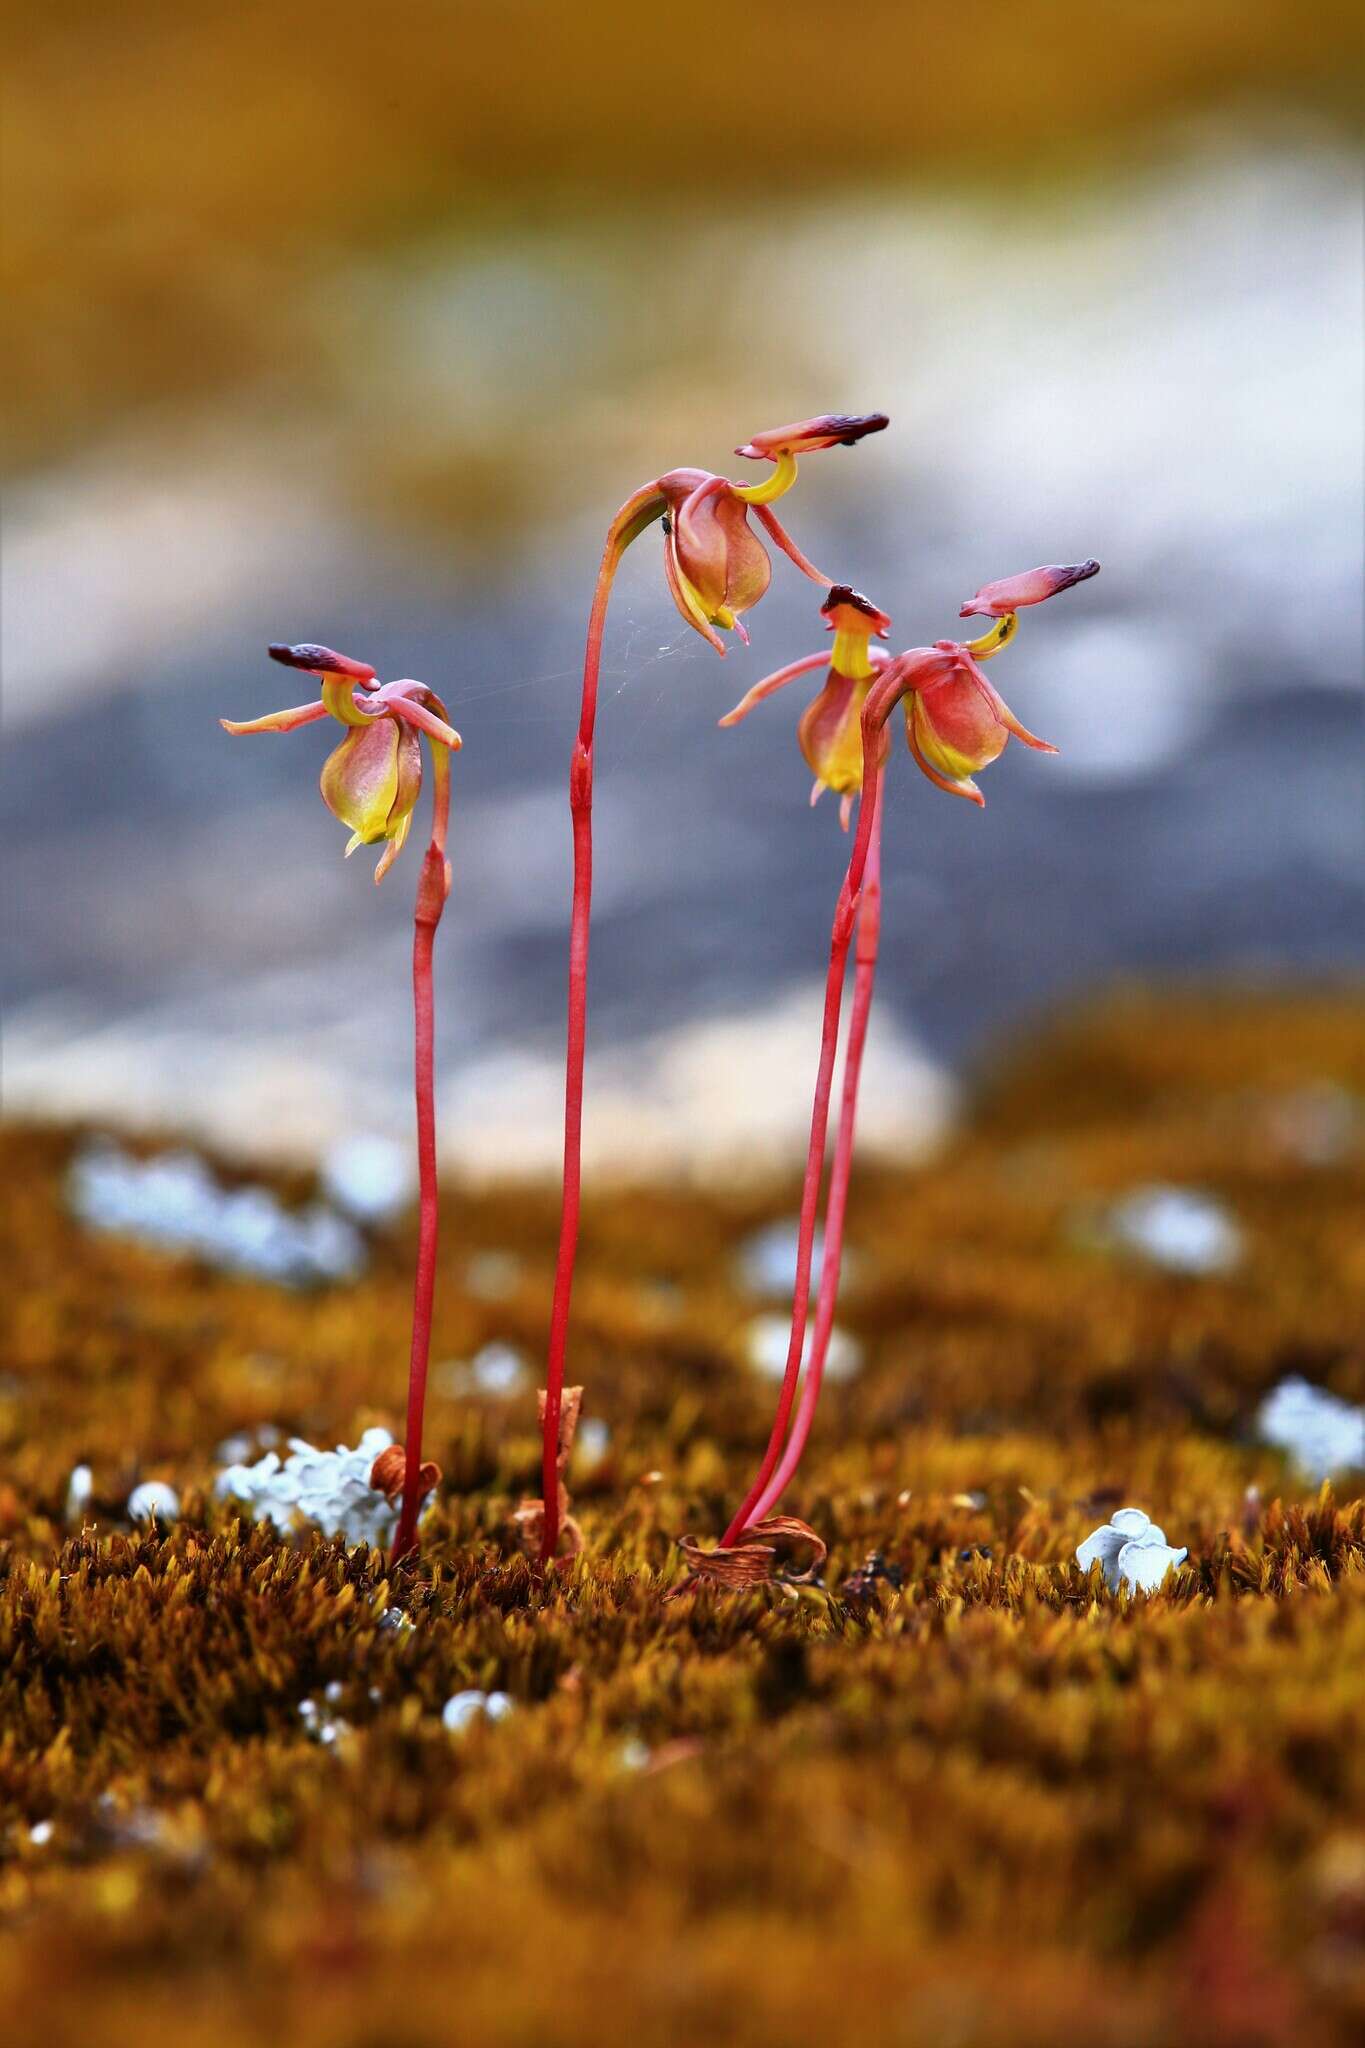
point(884, 693)
point(865, 971)
point(845, 913)
point(638, 511)
point(432, 888)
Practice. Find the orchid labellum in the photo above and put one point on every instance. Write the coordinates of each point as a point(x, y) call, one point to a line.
point(371, 782)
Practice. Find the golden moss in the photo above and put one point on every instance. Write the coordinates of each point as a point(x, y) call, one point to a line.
point(994, 1805)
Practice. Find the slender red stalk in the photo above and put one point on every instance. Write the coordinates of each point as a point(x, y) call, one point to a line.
point(637, 512)
point(890, 686)
point(844, 915)
point(432, 886)
point(865, 971)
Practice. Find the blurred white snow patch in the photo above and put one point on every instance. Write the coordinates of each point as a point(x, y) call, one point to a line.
point(330, 1489)
point(767, 1260)
point(1322, 1433)
point(496, 1370)
point(1116, 657)
point(767, 1340)
point(592, 1442)
point(110, 560)
point(372, 1178)
point(79, 1489)
point(174, 1202)
point(153, 1501)
point(462, 1708)
point(1182, 1229)
point(713, 1098)
point(705, 1099)
point(1131, 1551)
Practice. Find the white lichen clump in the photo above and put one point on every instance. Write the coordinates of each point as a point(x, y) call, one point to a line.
point(1131, 1551)
point(467, 1706)
point(174, 1203)
point(1322, 1433)
point(330, 1489)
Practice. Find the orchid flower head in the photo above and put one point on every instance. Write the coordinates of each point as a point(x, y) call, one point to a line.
point(955, 722)
point(829, 731)
point(371, 781)
point(716, 565)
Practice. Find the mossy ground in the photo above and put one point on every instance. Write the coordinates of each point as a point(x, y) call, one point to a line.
point(995, 1806)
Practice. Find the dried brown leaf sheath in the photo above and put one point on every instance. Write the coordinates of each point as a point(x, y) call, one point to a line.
point(751, 1559)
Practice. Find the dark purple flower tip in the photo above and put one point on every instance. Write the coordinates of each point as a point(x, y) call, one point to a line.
point(320, 660)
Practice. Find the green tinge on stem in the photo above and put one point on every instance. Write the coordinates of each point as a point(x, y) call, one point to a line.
point(635, 515)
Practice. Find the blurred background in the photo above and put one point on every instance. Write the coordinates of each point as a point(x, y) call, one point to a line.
point(356, 325)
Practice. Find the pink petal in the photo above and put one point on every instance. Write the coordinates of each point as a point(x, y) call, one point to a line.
point(829, 430)
point(1012, 593)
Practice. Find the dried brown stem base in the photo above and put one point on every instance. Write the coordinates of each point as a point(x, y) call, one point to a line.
point(751, 1560)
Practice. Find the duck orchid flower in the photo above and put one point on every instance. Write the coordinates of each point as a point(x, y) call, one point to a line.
point(829, 731)
point(371, 782)
point(956, 724)
point(830, 734)
point(716, 568)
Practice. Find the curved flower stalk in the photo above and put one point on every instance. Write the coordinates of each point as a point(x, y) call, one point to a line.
point(956, 724)
point(717, 569)
point(371, 781)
